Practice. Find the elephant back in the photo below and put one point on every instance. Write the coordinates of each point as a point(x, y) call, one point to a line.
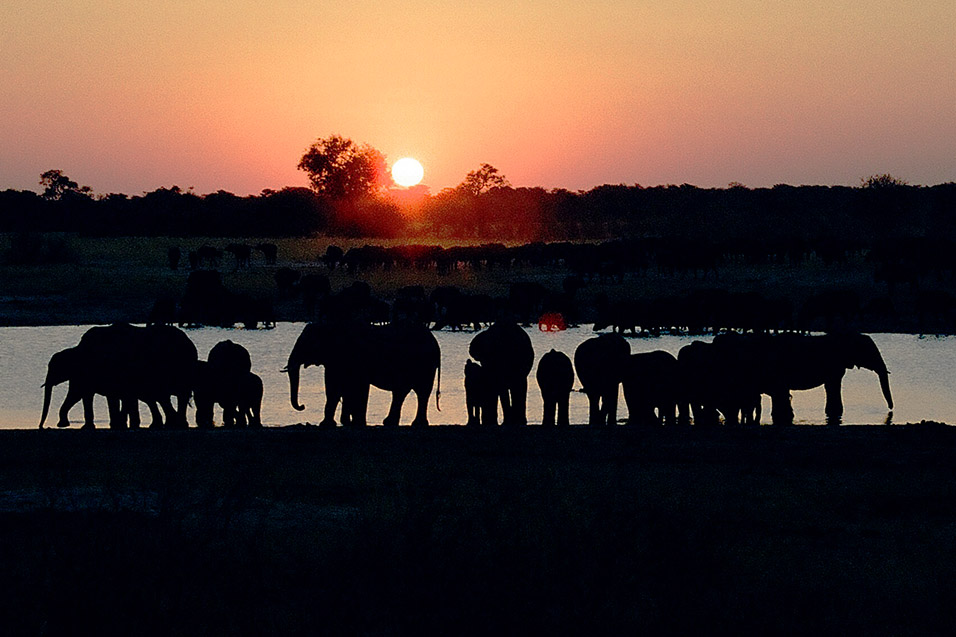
point(555, 370)
point(230, 359)
point(504, 348)
point(601, 359)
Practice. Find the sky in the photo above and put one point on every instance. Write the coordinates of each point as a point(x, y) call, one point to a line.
point(132, 96)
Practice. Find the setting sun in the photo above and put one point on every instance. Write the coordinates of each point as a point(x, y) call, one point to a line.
point(407, 172)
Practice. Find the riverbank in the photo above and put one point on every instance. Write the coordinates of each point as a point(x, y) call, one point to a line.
point(446, 530)
point(89, 280)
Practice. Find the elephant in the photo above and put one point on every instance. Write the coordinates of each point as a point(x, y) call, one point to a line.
point(600, 363)
point(651, 381)
point(224, 379)
point(785, 362)
point(555, 376)
point(125, 364)
point(505, 352)
point(398, 357)
point(243, 408)
point(480, 398)
point(718, 378)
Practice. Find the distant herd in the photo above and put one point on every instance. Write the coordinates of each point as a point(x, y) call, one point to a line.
point(908, 290)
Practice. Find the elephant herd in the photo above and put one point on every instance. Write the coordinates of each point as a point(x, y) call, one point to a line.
point(705, 382)
point(154, 364)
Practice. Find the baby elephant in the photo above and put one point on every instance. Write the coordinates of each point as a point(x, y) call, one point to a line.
point(480, 397)
point(555, 377)
point(241, 403)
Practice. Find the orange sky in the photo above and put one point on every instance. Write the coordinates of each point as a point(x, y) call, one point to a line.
point(131, 96)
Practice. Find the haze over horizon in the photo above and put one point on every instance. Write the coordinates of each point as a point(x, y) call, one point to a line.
point(211, 95)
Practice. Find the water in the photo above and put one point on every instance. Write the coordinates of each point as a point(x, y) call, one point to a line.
point(923, 377)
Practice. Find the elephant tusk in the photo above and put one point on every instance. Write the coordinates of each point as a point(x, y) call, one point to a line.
point(284, 370)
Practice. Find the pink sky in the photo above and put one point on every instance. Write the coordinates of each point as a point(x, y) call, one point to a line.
point(129, 97)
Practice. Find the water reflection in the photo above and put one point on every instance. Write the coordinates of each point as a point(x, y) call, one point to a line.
point(924, 377)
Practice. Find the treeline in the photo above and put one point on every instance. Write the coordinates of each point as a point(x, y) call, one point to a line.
point(867, 214)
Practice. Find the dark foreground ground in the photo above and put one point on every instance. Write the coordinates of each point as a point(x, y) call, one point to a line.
point(806, 530)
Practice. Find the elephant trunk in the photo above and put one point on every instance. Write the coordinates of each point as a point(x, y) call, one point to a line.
point(885, 386)
point(293, 371)
point(47, 395)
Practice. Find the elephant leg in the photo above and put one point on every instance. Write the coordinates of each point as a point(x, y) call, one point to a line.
point(834, 404)
point(645, 416)
point(519, 402)
point(156, 416)
point(550, 411)
point(683, 414)
point(229, 415)
point(563, 410)
point(395, 408)
point(333, 395)
point(504, 397)
point(594, 408)
point(178, 419)
point(115, 407)
point(88, 416)
point(609, 408)
point(489, 411)
point(421, 412)
point(667, 413)
point(73, 397)
point(331, 404)
point(357, 405)
point(781, 411)
point(130, 412)
point(474, 413)
point(204, 412)
point(172, 420)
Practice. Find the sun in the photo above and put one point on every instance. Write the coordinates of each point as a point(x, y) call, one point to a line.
point(407, 172)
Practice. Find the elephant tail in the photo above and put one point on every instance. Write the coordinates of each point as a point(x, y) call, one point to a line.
point(438, 391)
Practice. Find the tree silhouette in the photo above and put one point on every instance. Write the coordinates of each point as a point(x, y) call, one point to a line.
point(885, 180)
point(483, 180)
point(341, 169)
point(56, 185)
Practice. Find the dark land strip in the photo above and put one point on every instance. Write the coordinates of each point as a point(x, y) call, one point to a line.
point(298, 530)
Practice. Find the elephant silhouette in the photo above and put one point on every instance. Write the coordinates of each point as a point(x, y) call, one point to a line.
point(125, 364)
point(719, 378)
point(480, 398)
point(555, 376)
point(241, 405)
point(505, 352)
point(781, 363)
point(651, 385)
point(600, 363)
point(398, 357)
point(224, 379)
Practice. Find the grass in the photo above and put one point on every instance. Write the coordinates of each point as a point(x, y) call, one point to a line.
point(449, 531)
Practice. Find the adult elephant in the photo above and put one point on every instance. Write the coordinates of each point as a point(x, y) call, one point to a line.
point(399, 357)
point(651, 384)
point(555, 376)
point(506, 354)
point(125, 364)
point(600, 363)
point(786, 362)
point(719, 378)
point(223, 379)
